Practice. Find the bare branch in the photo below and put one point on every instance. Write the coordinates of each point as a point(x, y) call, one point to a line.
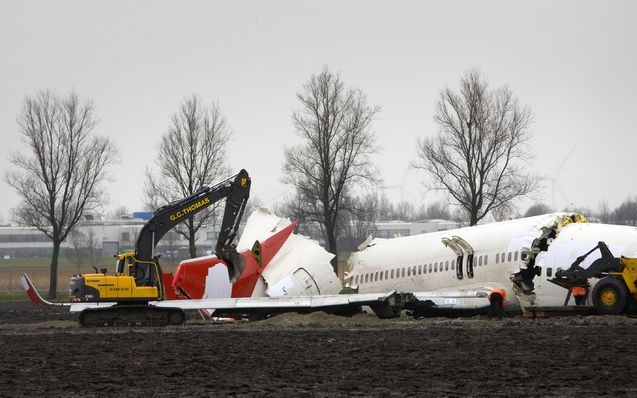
point(191, 155)
point(61, 178)
point(478, 153)
point(335, 124)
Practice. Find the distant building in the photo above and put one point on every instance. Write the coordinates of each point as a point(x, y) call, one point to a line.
point(390, 229)
point(99, 238)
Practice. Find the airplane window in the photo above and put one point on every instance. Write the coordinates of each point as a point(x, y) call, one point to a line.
point(366, 277)
point(539, 272)
point(419, 269)
point(497, 258)
point(435, 267)
point(549, 272)
point(429, 267)
point(386, 274)
point(414, 270)
point(523, 255)
point(480, 261)
point(470, 263)
point(408, 271)
point(392, 274)
point(356, 280)
point(376, 277)
point(486, 259)
point(453, 264)
point(381, 275)
point(515, 256)
point(509, 257)
point(403, 272)
point(446, 265)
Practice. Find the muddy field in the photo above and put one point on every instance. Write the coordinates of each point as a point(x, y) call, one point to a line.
point(47, 354)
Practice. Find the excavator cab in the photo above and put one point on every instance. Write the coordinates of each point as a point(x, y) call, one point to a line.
point(144, 273)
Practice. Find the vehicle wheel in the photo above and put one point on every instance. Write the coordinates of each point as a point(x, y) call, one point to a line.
point(610, 296)
point(176, 317)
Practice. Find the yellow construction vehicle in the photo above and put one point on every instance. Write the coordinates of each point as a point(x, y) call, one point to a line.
point(614, 292)
point(138, 278)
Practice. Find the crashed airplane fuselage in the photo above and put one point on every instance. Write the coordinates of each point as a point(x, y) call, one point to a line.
point(454, 269)
point(278, 263)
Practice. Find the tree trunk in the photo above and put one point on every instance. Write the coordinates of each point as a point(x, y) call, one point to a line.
point(331, 243)
point(53, 276)
point(473, 216)
point(192, 247)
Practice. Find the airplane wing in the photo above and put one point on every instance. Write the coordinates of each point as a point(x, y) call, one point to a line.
point(287, 303)
point(35, 297)
point(284, 302)
point(439, 302)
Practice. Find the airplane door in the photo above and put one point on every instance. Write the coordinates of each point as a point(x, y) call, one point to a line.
point(305, 282)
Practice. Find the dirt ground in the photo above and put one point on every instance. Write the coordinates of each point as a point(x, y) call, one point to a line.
point(47, 354)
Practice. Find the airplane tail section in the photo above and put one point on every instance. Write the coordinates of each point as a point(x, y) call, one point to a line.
point(258, 259)
point(167, 279)
point(264, 252)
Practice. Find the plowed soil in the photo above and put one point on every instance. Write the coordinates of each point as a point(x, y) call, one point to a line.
point(47, 354)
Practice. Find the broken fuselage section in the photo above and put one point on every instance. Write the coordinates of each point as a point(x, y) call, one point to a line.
point(516, 255)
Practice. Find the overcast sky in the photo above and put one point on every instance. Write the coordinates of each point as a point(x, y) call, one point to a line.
point(574, 63)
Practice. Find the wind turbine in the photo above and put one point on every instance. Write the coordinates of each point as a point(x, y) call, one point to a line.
point(554, 184)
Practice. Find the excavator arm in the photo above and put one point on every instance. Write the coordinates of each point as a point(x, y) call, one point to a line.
point(235, 190)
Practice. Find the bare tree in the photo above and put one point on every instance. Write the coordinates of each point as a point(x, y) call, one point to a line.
point(61, 177)
point(191, 156)
point(359, 221)
point(476, 157)
point(334, 122)
point(537, 209)
point(119, 211)
point(435, 211)
point(385, 209)
point(626, 213)
point(77, 243)
point(603, 212)
point(83, 245)
point(404, 211)
point(507, 211)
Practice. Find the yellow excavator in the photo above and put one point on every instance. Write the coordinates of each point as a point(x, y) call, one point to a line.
point(615, 290)
point(138, 278)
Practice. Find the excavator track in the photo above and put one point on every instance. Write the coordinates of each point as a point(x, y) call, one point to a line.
point(124, 315)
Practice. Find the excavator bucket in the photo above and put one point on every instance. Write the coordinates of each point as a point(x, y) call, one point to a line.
point(236, 263)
